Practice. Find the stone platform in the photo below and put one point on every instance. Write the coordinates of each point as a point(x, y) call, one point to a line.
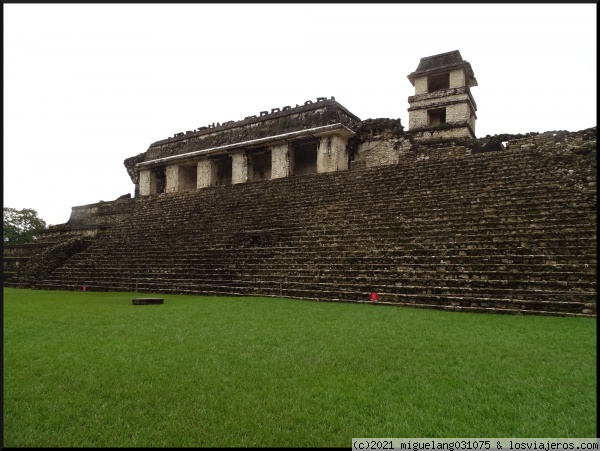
point(147, 301)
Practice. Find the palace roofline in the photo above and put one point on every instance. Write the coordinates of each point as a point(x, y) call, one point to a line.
point(264, 115)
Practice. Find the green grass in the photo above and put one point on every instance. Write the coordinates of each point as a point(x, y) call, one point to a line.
point(92, 370)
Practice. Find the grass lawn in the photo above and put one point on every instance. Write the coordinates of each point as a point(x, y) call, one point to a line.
point(86, 369)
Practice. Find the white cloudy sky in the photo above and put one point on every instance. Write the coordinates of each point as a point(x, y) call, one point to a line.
point(88, 85)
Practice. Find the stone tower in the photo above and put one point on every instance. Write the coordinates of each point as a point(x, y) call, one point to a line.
point(442, 106)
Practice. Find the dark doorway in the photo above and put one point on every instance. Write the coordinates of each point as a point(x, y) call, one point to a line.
point(305, 156)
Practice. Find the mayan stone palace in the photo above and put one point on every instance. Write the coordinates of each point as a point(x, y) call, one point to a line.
point(309, 201)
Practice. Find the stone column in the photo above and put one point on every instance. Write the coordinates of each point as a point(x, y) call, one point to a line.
point(172, 174)
point(421, 86)
point(282, 163)
point(457, 78)
point(332, 154)
point(145, 182)
point(239, 167)
point(207, 173)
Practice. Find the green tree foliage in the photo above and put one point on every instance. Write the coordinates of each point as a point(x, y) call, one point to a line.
point(21, 226)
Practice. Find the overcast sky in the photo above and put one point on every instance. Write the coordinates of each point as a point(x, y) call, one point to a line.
point(88, 85)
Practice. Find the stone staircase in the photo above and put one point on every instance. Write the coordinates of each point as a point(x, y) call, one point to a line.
point(507, 232)
point(18, 255)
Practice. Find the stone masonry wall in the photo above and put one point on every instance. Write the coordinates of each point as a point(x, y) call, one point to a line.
point(379, 142)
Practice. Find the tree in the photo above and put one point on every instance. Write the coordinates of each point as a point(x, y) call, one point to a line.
point(21, 226)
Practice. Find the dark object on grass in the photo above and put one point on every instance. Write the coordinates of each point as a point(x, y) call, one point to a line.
point(147, 301)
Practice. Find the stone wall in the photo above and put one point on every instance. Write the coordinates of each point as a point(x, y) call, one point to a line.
point(379, 142)
point(103, 213)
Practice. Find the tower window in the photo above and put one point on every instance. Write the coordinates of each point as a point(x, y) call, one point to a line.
point(436, 117)
point(437, 82)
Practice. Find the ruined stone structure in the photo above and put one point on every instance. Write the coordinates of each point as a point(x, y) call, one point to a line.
point(311, 202)
point(312, 138)
point(300, 140)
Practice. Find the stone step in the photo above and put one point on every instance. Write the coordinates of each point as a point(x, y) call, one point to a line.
point(398, 267)
point(498, 205)
point(465, 275)
point(458, 242)
point(460, 302)
point(539, 194)
point(352, 255)
point(404, 285)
